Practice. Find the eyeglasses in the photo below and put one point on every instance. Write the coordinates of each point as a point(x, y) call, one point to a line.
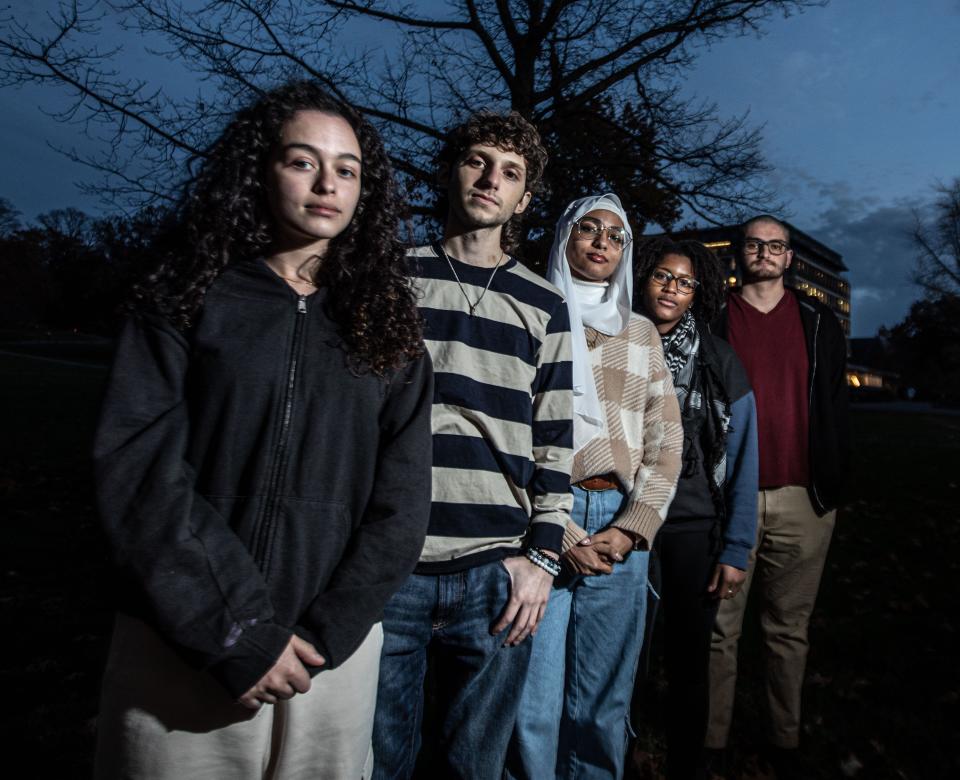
point(588, 227)
point(685, 284)
point(752, 246)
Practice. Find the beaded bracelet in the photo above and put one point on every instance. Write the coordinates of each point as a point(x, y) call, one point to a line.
point(537, 552)
point(545, 562)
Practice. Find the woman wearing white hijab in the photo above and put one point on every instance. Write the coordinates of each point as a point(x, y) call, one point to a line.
point(628, 439)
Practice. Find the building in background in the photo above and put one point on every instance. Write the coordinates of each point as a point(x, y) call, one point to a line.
point(872, 372)
point(816, 269)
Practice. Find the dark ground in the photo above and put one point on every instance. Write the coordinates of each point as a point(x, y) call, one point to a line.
point(881, 698)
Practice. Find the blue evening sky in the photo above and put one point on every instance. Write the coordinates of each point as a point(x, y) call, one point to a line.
point(859, 102)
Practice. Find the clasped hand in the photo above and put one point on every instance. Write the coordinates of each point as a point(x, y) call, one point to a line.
point(599, 553)
point(287, 677)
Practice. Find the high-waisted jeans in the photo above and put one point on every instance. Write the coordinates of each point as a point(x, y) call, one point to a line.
point(573, 718)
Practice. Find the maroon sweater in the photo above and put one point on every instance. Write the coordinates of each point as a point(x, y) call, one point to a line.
point(773, 350)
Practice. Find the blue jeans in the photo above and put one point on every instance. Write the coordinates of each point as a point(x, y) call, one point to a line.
point(573, 717)
point(478, 679)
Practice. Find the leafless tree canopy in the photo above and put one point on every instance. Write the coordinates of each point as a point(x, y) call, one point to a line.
point(9, 218)
point(600, 78)
point(938, 243)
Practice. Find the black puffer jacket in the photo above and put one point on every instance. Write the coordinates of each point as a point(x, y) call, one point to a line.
point(251, 486)
point(829, 433)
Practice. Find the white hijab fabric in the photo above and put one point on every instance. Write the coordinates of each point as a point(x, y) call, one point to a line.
point(610, 316)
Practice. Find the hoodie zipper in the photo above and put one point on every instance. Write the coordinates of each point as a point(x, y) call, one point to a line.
point(271, 505)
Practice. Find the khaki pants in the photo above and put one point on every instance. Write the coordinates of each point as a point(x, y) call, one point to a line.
point(159, 718)
point(785, 565)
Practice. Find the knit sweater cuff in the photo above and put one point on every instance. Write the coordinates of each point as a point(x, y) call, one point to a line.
point(641, 519)
point(573, 534)
point(545, 535)
point(735, 555)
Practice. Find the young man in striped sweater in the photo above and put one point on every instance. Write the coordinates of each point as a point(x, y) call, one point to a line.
point(499, 338)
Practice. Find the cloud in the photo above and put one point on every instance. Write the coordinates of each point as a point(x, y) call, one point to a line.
point(876, 245)
point(809, 69)
point(870, 294)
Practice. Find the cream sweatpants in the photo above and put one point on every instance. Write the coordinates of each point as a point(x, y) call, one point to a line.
point(160, 718)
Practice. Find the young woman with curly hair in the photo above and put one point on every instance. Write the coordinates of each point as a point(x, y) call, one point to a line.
point(261, 458)
point(705, 542)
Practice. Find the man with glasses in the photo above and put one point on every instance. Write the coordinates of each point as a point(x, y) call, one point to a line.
point(794, 351)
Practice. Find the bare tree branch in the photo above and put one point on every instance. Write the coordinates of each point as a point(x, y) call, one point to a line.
point(477, 28)
point(937, 240)
point(610, 65)
point(88, 84)
point(402, 19)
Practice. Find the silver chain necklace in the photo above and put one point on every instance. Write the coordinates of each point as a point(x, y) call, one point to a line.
point(473, 306)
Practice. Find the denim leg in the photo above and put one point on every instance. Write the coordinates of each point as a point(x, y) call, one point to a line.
point(407, 626)
point(480, 679)
point(535, 742)
point(604, 638)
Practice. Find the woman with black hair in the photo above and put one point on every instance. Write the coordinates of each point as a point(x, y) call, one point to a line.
point(262, 459)
point(704, 544)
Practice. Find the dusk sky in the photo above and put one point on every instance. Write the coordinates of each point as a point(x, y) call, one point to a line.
point(859, 102)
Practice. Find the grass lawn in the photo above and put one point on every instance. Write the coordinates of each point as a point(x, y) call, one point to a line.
point(55, 618)
point(882, 686)
point(882, 689)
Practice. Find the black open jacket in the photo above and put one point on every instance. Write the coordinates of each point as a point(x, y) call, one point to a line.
point(252, 486)
point(829, 433)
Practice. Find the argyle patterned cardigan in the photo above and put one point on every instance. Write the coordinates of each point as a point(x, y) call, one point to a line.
point(643, 439)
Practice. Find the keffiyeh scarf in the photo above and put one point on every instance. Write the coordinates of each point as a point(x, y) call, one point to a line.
point(680, 347)
point(704, 404)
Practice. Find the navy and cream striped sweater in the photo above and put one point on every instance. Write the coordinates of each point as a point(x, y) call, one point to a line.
point(502, 412)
